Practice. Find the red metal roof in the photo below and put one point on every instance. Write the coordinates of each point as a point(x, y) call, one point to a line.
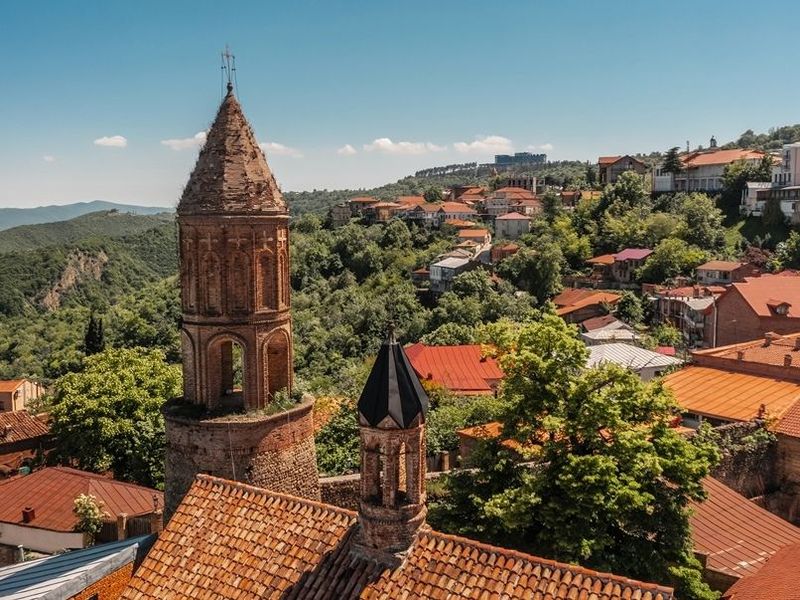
point(231, 540)
point(633, 254)
point(759, 292)
point(52, 491)
point(461, 369)
point(720, 157)
point(10, 385)
point(720, 265)
point(776, 580)
point(737, 535)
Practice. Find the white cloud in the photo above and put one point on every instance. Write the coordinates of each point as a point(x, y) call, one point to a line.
point(277, 149)
point(543, 147)
point(346, 150)
point(198, 139)
point(489, 144)
point(387, 146)
point(113, 141)
point(48, 158)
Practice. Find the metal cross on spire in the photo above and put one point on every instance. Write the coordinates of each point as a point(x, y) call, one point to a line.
point(229, 67)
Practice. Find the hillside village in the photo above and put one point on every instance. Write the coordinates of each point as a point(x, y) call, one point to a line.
point(344, 413)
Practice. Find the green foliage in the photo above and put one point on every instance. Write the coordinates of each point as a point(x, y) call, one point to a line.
point(93, 340)
point(787, 254)
point(672, 161)
point(591, 175)
point(773, 215)
point(89, 512)
point(702, 222)
point(629, 308)
point(450, 334)
point(665, 334)
point(672, 257)
point(337, 442)
point(735, 176)
point(612, 480)
point(433, 194)
point(774, 139)
point(108, 416)
point(453, 413)
point(536, 269)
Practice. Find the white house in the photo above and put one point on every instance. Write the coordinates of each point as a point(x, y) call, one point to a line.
point(511, 226)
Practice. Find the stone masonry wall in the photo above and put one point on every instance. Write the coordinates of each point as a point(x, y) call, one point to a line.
point(271, 451)
point(748, 468)
point(109, 587)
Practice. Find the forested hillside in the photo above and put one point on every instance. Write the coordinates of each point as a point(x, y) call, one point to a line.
point(14, 217)
point(110, 223)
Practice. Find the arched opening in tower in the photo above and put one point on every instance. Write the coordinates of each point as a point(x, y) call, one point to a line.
point(227, 376)
point(278, 363)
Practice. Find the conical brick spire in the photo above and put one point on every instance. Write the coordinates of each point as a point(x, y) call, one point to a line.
point(231, 175)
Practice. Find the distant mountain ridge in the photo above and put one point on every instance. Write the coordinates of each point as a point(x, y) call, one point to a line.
point(14, 217)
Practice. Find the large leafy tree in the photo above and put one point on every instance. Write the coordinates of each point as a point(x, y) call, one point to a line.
point(612, 480)
point(736, 175)
point(672, 161)
point(702, 221)
point(536, 269)
point(108, 416)
point(672, 257)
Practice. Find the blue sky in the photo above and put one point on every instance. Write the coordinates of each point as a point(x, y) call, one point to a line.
point(456, 80)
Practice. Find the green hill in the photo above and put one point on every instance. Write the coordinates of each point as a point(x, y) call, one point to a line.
point(14, 217)
point(111, 223)
point(94, 271)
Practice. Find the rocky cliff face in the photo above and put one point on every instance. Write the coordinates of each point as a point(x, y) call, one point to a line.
point(81, 266)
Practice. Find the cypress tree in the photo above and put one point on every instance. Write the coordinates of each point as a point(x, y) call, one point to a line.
point(93, 341)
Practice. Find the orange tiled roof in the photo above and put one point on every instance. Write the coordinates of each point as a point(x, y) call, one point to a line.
point(719, 157)
point(51, 492)
point(456, 207)
point(411, 200)
point(10, 385)
point(462, 369)
point(608, 160)
point(571, 300)
point(231, 540)
point(762, 292)
point(731, 396)
point(789, 423)
point(513, 216)
point(737, 535)
point(459, 223)
point(473, 233)
point(774, 352)
point(598, 322)
point(20, 425)
point(776, 579)
point(603, 259)
point(720, 265)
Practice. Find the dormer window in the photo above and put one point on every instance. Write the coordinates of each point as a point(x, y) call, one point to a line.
point(779, 307)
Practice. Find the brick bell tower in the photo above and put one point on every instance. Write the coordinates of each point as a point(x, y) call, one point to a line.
point(236, 336)
point(391, 418)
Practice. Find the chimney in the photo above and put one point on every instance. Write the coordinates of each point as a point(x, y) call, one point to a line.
point(28, 514)
point(797, 343)
point(770, 337)
point(122, 526)
point(787, 360)
point(740, 355)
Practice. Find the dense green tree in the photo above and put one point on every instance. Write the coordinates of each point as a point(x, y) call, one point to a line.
point(736, 175)
point(450, 334)
point(672, 257)
point(337, 442)
point(93, 339)
point(672, 161)
point(702, 222)
point(536, 269)
point(613, 480)
point(773, 215)
point(629, 308)
point(591, 175)
point(433, 194)
point(787, 254)
point(551, 205)
point(108, 416)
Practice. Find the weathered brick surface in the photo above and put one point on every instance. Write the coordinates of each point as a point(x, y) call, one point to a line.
point(737, 322)
point(273, 451)
point(109, 587)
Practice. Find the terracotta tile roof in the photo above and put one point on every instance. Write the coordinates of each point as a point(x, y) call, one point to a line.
point(51, 492)
point(489, 431)
point(737, 535)
point(759, 292)
point(459, 223)
point(608, 160)
point(777, 579)
point(364, 200)
point(428, 207)
point(598, 322)
point(473, 233)
point(515, 192)
point(456, 207)
point(508, 246)
point(571, 303)
point(231, 540)
point(719, 157)
point(411, 200)
point(513, 216)
point(774, 352)
point(633, 254)
point(728, 395)
point(20, 425)
point(10, 385)
point(462, 369)
point(603, 259)
point(572, 295)
point(720, 265)
point(789, 424)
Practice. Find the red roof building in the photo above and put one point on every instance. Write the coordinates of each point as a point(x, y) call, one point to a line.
point(36, 509)
point(461, 369)
point(611, 167)
point(776, 579)
point(22, 437)
point(575, 305)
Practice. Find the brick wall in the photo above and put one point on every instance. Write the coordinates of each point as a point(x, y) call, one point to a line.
point(109, 587)
point(344, 490)
point(736, 321)
point(272, 451)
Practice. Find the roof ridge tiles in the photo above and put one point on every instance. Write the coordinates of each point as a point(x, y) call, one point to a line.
point(212, 481)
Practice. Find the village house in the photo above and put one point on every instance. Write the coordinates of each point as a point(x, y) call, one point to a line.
point(784, 188)
point(575, 305)
point(455, 210)
point(645, 363)
point(776, 579)
point(570, 199)
point(502, 251)
point(426, 214)
point(445, 270)
point(457, 192)
point(627, 262)
point(690, 309)
point(24, 438)
point(359, 204)
point(606, 329)
point(749, 308)
point(479, 236)
point(36, 510)
point(463, 370)
point(512, 226)
point(340, 214)
point(16, 394)
point(98, 572)
point(507, 199)
point(383, 212)
point(723, 272)
point(281, 546)
point(609, 168)
point(601, 268)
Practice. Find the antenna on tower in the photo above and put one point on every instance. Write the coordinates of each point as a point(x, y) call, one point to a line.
point(228, 68)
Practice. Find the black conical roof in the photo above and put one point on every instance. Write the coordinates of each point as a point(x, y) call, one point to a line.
point(393, 389)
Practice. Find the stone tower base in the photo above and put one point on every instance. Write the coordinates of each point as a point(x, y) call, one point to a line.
point(271, 451)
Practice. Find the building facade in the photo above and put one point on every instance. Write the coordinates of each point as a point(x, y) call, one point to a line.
point(609, 168)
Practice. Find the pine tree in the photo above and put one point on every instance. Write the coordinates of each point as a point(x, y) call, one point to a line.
point(672, 162)
point(93, 339)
